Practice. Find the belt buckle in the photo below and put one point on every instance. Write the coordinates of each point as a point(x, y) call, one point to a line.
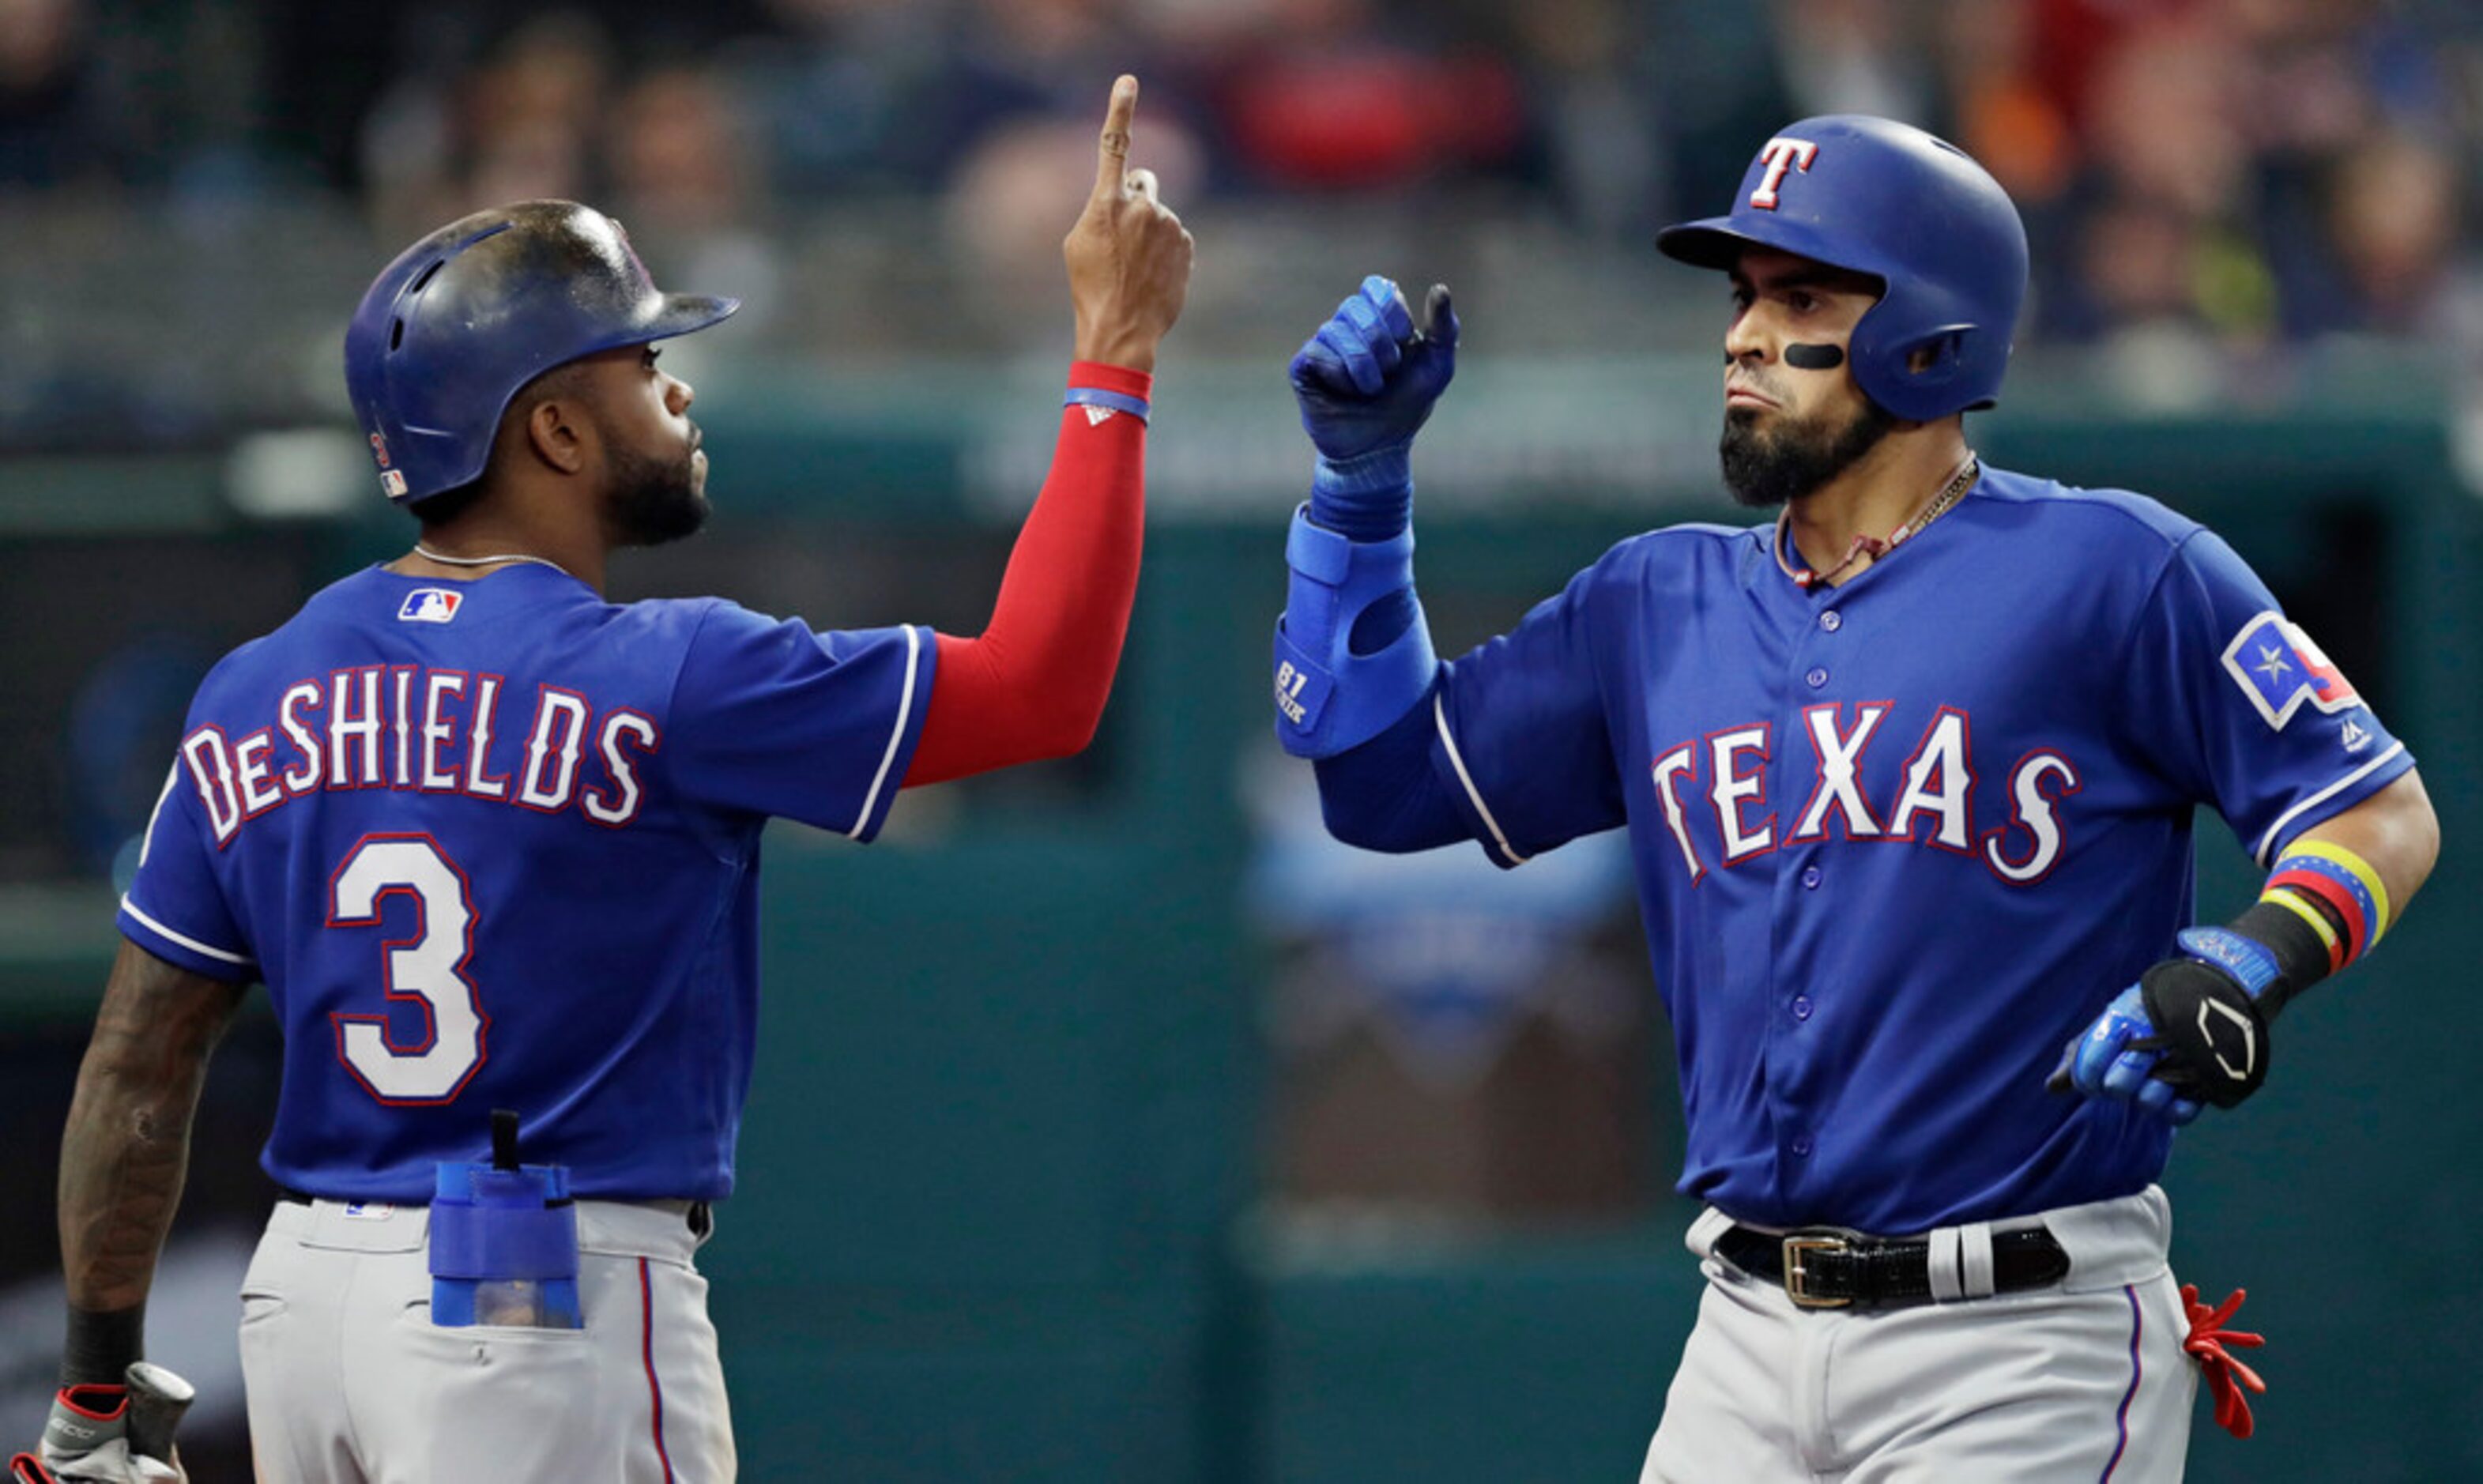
point(1797, 1276)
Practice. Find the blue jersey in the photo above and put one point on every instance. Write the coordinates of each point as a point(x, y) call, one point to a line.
point(495, 844)
point(1898, 841)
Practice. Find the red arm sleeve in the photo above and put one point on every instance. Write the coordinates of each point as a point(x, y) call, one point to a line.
point(1033, 684)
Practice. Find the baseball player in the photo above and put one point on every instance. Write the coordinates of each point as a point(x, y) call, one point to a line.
point(491, 843)
point(1908, 775)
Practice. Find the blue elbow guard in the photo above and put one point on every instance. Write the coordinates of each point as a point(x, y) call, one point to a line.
point(505, 1248)
point(1329, 699)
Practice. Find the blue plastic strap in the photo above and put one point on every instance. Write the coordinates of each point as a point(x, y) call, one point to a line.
point(1327, 698)
point(2251, 963)
point(1097, 396)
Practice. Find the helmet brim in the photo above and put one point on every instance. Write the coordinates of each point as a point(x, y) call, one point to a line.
point(1718, 241)
point(1709, 244)
point(681, 313)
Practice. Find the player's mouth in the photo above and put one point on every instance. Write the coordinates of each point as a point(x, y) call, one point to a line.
point(1736, 395)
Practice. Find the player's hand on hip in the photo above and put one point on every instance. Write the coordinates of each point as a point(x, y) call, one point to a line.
point(1128, 256)
point(1367, 380)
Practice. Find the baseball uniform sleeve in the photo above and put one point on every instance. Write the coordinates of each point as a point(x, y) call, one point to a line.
point(1520, 741)
point(2239, 707)
point(174, 908)
point(776, 718)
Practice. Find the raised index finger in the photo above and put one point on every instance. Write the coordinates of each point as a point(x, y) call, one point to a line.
point(1112, 151)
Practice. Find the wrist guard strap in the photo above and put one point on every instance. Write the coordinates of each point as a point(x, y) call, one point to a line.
point(102, 1346)
point(1329, 699)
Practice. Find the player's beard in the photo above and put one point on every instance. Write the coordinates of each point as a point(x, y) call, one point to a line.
point(1766, 468)
point(652, 501)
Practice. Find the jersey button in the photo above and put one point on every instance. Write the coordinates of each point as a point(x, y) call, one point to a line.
point(1831, 620)
point(1802, 1007)
point(1801, 1146)
point(1818, 677)
point(1811, 878)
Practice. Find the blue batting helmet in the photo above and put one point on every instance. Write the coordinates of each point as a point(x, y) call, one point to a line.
point(451, 331)
point(1875, 197)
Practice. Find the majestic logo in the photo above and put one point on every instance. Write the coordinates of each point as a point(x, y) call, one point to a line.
point(1781, 155)
point(2355, 736)
point(2279, 668)
point(430, 605)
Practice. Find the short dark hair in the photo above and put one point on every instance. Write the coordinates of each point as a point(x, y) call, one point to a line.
point(438, 510)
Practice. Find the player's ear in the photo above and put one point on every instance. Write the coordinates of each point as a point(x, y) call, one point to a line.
point(558, 432)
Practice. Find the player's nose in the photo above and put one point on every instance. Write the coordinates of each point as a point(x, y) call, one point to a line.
point(1745, 338)
point(680, 395)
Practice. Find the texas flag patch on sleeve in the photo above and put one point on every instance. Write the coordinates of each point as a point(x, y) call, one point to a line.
point(2279, 668)
point(430, 605)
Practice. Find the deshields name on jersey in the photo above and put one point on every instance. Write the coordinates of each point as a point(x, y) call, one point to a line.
point(409, 727)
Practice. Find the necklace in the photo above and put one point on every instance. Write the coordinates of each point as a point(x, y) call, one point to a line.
point(1873, 546)
point(421, 550)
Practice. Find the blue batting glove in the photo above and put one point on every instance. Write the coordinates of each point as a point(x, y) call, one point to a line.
point(1366, 384)
point(2116, 1058)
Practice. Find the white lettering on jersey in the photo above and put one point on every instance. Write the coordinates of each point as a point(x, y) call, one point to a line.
point(1731, 787)
point(211, 769)
point(401, 723)
point(251, 771)
point(1838, 786)
point(1782, 154)
point(478, 742)
point(624, 778)
point(436, 731)
point(362, 730)
point(304, 776)
point(237, 781)
point(428, 968)
point(551, 766)
point(1940, 781)
point(2031, 810)
point(1667, 769)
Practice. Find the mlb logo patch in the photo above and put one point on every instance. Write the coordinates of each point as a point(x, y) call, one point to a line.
point(430, 605)
point(393, 483)
point(2279, 668)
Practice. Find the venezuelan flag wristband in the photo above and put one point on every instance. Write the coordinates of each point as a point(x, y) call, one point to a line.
point(2323, 908)
point(2336, 893)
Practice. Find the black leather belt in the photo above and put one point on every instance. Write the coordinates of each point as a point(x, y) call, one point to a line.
point(1823, 1267)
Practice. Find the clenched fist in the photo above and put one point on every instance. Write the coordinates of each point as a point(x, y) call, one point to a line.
point(1128, 256)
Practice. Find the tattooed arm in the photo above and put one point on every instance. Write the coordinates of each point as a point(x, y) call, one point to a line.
point(126, 1150)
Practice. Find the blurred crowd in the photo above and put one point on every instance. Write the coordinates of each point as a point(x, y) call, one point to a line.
point(2232, 173)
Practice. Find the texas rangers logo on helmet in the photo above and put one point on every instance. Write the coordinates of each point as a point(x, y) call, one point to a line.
point(1782, 155)
point(2279, 668)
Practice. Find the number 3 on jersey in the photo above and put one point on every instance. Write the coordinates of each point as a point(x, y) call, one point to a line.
point(427, 969)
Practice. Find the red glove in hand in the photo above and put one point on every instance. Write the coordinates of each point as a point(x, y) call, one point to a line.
point(2226, 1376)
